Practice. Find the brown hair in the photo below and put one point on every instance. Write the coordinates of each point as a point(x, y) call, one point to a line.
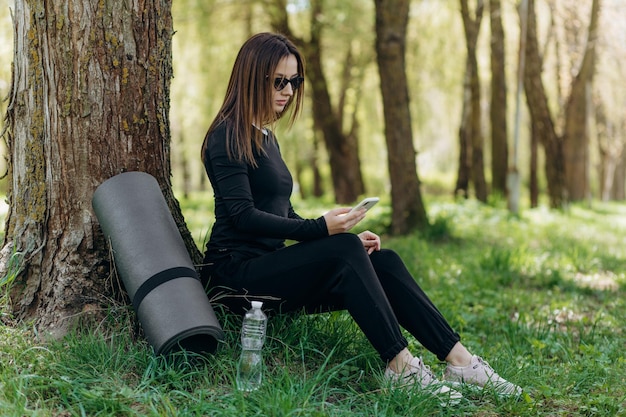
point(249, 94)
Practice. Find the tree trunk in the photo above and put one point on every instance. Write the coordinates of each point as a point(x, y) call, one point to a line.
point(541, 119)
point(533, 177)
point(465, 144)
point(477, 167)
point(498, 107)
point(343, 152)
point(318, 184)
point(610, 149)
point(408, 209)
point(576, 132)
point(89, 100)
point(618, 192)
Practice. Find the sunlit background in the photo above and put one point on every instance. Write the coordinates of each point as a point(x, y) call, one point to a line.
point(208, 34)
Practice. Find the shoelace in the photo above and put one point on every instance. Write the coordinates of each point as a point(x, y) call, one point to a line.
point(492, 375)
point(488, 367)
point(424, 371)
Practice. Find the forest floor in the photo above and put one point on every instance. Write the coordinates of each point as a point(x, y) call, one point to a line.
point(540, 295)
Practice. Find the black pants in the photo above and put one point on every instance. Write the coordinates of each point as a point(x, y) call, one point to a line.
point(336, 273)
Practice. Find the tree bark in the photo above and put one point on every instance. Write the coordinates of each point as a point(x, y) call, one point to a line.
point(576, 131)
point(89, 100)
point(408, 209)
point(498, 106)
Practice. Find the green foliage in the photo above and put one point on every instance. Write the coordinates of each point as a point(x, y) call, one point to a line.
point(13, 267)
point(539, 295)
point(439, 230)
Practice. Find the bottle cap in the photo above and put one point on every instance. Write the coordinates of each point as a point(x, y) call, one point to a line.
point(257, 304)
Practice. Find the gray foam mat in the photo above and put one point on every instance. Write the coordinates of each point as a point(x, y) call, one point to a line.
point(154, 265)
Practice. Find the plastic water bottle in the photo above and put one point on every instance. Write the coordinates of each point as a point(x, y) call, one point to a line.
point(250, 366)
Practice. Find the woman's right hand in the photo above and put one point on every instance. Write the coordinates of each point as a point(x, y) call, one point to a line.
point(340, 220)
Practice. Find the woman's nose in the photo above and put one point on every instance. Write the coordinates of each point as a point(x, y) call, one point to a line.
point(288, 90)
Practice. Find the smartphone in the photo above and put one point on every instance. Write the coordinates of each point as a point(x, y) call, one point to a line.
point(366, 203)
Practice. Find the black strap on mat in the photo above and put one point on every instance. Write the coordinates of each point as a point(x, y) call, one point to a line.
point(161, 278)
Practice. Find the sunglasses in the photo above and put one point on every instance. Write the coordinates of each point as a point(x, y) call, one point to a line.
point(280, 83)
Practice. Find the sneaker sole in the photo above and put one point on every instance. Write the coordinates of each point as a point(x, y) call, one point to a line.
point(445, 399)
point(477, 389)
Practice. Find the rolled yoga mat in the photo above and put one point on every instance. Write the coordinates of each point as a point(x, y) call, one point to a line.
point(156, 269)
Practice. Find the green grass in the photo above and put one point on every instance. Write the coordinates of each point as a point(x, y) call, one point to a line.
point(541, 296)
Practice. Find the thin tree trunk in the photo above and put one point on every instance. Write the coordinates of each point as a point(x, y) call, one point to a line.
point(498, 107)
point(541, 119)
point(318, 184)
point(477, 167)
point(465, 148)
point(576, 132)
point(610, 150)
point(618, 191)
point(533, 180)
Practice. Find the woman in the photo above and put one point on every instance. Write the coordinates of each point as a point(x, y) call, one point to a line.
point(329, 268)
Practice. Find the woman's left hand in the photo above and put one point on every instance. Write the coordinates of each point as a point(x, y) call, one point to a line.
point(371, 241)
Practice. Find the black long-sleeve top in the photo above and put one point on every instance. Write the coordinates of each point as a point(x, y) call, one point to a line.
point(253, 211)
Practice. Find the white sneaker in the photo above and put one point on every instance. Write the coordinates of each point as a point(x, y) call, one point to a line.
point(416, 373)
point(480, 374)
